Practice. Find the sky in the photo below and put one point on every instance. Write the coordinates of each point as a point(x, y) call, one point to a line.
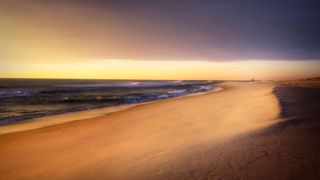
point(167, 39)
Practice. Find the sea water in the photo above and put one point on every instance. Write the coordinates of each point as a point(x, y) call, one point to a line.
point(22, 99)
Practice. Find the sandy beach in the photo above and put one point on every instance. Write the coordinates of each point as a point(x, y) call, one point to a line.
point(211, 136)
point(159, 90)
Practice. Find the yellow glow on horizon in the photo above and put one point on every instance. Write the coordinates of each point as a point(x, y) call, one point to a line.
point(156, 70)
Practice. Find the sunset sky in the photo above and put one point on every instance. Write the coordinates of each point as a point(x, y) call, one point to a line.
point(153, 39)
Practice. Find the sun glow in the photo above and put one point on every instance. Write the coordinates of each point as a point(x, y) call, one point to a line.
point(148, 69)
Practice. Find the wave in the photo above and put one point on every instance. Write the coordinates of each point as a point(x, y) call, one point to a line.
point(127, 84)
point(134, 83)
point(206, 88)
point(14, 94)
point(178, 92)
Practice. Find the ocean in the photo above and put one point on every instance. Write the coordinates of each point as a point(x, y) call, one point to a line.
point(23, 99)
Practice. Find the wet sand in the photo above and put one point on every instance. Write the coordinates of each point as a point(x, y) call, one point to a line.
point(298, 155)
point(228, 134)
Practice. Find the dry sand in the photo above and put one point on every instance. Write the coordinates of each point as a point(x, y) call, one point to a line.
point(210, 136)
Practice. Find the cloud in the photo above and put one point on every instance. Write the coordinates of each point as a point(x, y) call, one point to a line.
point(216, 30)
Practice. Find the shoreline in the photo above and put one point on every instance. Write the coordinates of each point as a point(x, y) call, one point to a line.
point(67, 117)
point(196, 137)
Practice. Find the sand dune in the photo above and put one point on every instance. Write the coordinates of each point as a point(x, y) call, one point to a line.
point(197, 137)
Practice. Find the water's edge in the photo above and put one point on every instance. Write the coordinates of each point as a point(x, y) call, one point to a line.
point(52, 120)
